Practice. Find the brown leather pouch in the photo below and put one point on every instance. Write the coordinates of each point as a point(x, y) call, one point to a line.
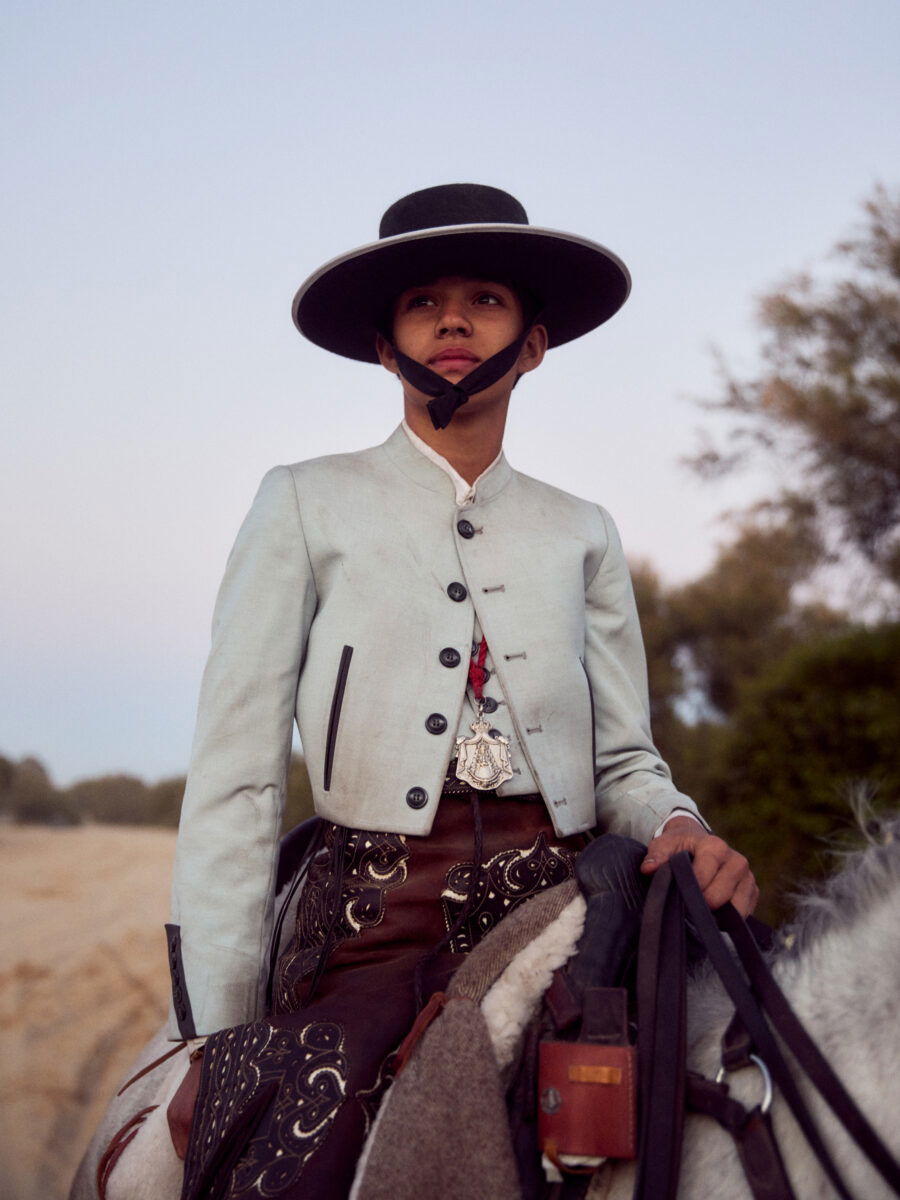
point(587, 1100)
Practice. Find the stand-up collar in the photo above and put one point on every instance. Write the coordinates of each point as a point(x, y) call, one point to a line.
point(439, 477)
point(466, 493)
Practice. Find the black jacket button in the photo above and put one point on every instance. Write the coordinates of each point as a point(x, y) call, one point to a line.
point(450, 657)
point(457, 592)
point(436, 723)
point(416, 797)
point(489, 704)
point(466, 528)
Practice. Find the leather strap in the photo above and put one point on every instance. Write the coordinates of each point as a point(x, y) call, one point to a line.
point(448, 397)
point(805, 1051)
point(752, 1132)
point(737, 1045)
point(119, 1143)
point(786, 1023)
point(151, 1066)
point(295, 853)
point(661, 1040)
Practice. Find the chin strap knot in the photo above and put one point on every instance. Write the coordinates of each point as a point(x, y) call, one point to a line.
point(447, 397)
point(442, 408)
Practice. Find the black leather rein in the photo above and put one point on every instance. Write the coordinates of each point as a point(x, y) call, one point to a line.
point(763, 1011)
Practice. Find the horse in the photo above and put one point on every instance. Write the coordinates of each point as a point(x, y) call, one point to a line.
point(838, 964)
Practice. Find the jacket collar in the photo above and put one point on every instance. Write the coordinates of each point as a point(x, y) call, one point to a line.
point(422, 471)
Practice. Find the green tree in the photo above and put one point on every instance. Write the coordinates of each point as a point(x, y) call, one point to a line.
point(162, 804)
point(826, 401)
point(708, 639)
point(30, 796)
point(818, 723)
point(298, 804)
point(661, 647)
point(112, 799)
point(743, 615)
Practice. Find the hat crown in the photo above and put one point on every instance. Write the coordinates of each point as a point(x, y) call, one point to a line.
point(451, 204)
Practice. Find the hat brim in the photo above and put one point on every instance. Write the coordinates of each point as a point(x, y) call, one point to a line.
point(579, 284)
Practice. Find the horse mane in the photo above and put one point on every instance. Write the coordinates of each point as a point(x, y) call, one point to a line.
point(866, 876)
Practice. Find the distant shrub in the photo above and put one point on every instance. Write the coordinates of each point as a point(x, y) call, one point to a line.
point(28, 795)
point(298, 804)
point(111, 799)
point(817, 724)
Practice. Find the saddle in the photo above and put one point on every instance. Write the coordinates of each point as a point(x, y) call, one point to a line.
point(622, 991)
point(585, 1106)
point(612, 1024)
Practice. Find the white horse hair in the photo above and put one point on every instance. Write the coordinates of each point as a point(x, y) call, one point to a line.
point(148, 1168)
point(839, 967)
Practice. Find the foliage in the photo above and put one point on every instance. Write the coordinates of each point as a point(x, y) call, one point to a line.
point(298, 804)
point(814, 725)
point(661, 647)
point(766, 709)
point(743, 615)
point(117, 800)
point(27, 794)
point(770, 702)
point(826, 403)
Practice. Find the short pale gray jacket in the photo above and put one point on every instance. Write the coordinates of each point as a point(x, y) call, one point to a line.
point(336, 604)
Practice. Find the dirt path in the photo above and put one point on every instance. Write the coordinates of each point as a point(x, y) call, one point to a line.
point(83, 984)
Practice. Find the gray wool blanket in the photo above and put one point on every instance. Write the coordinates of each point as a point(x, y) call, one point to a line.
point(442, 1129)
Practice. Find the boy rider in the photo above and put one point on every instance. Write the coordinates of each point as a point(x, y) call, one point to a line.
point(438, 625)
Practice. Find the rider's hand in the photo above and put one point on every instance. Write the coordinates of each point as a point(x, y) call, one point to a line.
point(180, 1112)
point(722, 873)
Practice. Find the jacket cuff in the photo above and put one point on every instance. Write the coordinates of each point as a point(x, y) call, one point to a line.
point(681, 812)
point(181, 1004)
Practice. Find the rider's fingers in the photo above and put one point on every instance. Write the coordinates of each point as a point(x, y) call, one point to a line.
point(663, 847)
point(746, 896)
point(733, 880)
point(722, 873)
point(712, 856)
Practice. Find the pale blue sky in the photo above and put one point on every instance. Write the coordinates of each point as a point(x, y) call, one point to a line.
point(173, 171)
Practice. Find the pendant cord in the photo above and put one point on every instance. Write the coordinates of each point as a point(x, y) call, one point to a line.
point(477, 673)
point(466, 910)
point(342, 836)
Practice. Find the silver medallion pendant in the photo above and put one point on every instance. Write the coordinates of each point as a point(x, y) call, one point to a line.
point(483, 761)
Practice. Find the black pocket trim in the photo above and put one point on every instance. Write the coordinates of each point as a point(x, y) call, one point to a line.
point(593, 718)
point(337, 701)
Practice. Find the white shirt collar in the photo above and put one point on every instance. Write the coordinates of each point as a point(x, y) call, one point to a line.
point(465, 492)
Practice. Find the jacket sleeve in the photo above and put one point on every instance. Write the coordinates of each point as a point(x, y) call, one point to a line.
point(633, 786)
point(227, 846)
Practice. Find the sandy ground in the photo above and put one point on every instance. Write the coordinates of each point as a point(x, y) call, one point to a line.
point(83, 984)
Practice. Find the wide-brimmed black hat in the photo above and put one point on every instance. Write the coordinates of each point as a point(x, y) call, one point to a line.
point(459, 229)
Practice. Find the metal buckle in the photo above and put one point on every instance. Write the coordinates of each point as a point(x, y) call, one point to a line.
point(767, 1081)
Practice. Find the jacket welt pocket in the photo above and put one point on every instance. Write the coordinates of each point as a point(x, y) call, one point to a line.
point(334, 717)
point(593, 715)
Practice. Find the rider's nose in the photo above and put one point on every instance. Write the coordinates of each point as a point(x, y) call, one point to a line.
point(452, 320)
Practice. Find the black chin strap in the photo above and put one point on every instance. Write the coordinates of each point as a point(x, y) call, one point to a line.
point(448, 397)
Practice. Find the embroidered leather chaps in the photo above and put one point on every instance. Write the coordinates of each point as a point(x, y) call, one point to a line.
point(285, 1103)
